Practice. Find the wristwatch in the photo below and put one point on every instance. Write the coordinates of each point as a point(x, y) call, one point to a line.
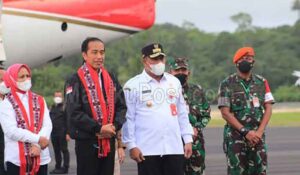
point(244, 131)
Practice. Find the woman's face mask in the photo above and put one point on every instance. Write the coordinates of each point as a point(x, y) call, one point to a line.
point(24, 79)
point(24, 85)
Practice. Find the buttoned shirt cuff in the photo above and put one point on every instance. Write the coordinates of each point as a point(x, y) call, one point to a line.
point(131, 145)
point(187, 139)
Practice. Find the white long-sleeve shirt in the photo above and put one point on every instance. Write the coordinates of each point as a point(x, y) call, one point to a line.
point(151, 126)
point(13, 134)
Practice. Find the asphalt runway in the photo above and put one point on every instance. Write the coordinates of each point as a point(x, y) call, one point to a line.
point(283, 153)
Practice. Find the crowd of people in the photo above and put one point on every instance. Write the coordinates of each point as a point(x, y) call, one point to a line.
point(158, 116)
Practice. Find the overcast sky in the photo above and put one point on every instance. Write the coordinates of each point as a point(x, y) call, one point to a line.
point(214, 15)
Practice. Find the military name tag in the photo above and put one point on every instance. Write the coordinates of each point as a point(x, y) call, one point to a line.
point(173, 109)
point(255, 101)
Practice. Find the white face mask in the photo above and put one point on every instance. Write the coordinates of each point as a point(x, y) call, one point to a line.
point(3, 89)
point(25, 85)
point(158, 69)
point(57, 100)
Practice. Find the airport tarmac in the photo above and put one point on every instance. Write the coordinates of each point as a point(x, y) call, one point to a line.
point(283, 153)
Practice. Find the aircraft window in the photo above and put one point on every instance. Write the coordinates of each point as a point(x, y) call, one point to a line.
point(64, 26)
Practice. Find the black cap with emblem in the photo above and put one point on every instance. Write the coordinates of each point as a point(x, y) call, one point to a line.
point(153, 50)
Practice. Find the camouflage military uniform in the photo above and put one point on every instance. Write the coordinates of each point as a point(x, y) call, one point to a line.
point(199, 117)
point(238, 95)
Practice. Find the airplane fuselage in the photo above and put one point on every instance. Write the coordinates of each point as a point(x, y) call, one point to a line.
point(36, 32)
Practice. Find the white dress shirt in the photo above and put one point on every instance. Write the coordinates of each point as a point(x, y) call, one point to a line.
point(151, 126)
point(13, 134)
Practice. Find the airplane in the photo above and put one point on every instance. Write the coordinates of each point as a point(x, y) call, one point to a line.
point(297, 74)
point(36, 32)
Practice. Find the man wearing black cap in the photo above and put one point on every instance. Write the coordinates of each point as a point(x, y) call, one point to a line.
point(199, 113)
point(157, 118)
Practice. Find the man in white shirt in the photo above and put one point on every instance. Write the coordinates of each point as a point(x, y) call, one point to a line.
point(157, 118)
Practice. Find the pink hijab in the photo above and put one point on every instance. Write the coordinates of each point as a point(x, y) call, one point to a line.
point(11, 76)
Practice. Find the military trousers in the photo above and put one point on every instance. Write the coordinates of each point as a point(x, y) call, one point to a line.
point(243, 159)
point(195, 165)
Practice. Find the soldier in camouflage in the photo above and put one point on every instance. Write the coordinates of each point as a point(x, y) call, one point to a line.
point(245, 101)
point(199, 114)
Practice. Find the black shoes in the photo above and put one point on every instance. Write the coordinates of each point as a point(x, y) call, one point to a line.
point(59, 171)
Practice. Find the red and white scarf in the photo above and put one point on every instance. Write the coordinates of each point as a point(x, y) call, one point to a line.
point(103, 111)
point(33, 123)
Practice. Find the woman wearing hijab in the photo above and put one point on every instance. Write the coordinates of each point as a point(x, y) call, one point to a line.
point(26, 125)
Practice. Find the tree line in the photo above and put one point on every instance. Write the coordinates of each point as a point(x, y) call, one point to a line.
point(210, 57)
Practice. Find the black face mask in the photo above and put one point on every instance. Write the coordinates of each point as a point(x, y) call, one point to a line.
point(182, 78)
point(244, 66)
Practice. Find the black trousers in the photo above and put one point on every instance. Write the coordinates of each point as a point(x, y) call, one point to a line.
point(60, 146)
point(13, 169)
point(2, 170)
point(87, 159)
point(162, 165)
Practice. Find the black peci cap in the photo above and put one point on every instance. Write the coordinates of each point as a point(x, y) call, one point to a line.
point(153, 50)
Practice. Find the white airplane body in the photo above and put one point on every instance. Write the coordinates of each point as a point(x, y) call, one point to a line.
point(36, 32)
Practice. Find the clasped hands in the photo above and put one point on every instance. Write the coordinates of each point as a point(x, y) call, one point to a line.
point(35, 149)
point(254, 137)
point(107, 131)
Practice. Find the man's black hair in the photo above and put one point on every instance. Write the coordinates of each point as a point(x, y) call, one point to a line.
point(85, 43)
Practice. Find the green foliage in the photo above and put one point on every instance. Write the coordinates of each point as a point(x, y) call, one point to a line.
point(210, 56)
point(286, 119)
point(296, 7)
point(48, 79)
point(287, 93)
point(244, 22)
